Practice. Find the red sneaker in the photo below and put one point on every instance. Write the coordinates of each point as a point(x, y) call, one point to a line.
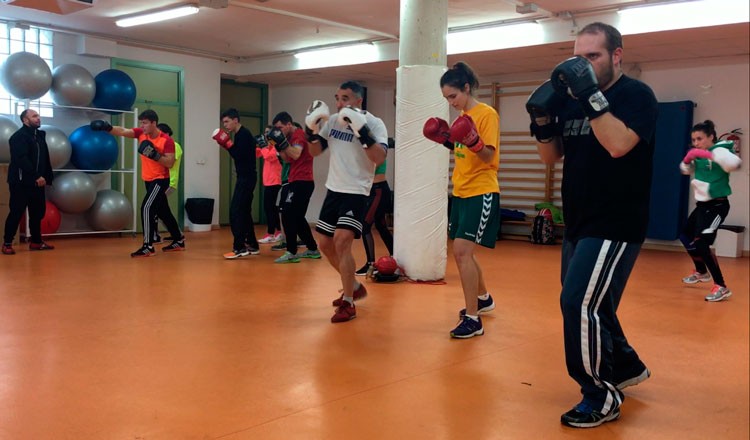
point(8, 249)
point(40, 246)
point(360, 293)
point(344, 312)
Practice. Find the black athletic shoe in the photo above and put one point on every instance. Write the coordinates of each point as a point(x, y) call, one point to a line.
point(176, 245)
point(144, 251)
point(363, 270)
point(583, 416)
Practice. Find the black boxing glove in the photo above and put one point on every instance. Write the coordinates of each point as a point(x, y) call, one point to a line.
point(148, 149)
point(277, 137)
point(576, 76)
point(544, 103)
point(261, 141)
point(100, 125)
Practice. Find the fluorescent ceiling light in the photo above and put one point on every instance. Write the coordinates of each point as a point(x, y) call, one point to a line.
point(153, 17)
point(494, 38)
point(684, 15)
point(337, 56)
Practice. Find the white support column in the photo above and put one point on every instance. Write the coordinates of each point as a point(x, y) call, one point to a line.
point(421, 168)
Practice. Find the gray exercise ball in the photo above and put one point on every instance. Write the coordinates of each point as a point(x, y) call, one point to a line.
point(26, 75)
point(72, 85)
point(111, 211)
point(58, 145)
point(73, 192)
point(7, 128)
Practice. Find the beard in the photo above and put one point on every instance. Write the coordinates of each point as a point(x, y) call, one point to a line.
point(607, 74)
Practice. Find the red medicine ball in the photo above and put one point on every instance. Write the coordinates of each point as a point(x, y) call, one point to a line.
point(386, 265)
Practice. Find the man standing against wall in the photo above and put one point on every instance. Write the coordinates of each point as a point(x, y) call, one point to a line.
point(28, 173)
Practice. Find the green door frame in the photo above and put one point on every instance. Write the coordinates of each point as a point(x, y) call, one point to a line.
point(115, 63)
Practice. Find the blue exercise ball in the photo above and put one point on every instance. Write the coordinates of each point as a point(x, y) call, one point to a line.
point(115, 90)
point(93, 150)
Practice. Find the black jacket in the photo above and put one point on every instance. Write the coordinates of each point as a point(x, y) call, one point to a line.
point(29, 157)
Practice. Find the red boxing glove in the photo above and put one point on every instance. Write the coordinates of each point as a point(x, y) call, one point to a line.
point(437, 130)
point(222, 138)
point(464, 131)
point(696, 153)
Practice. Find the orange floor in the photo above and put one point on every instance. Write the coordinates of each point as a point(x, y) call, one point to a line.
point(96, 345)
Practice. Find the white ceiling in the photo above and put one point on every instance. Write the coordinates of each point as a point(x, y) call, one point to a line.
point(248, 30)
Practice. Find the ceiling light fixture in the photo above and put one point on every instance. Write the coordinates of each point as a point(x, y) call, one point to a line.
point(153, 17)
point(337, 56)
point(495, 38)
point(683, 15)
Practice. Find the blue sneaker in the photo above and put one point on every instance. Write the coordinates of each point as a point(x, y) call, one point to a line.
point(483, 306)
point(315, 255)
point(468, 328)
point(288, 257)
point(583, 416)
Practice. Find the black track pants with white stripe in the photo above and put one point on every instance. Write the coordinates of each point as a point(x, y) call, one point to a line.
point(156, 206)
point(597, 354)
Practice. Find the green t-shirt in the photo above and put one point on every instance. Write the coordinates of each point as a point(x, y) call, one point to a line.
point(381, 168)
point(174, 172)
point(285, 171)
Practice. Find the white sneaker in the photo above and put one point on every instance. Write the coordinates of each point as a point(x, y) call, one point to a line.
point(268, 238)
point(696, 277)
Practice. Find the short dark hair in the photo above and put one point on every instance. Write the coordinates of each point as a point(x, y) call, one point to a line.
point(24, 113)
point(283, 117)
point(460, 75)
point(612, 36)
point(706, 127)
point(165, 128)
point(355, 87)
point(231, 113)
point(148, 115)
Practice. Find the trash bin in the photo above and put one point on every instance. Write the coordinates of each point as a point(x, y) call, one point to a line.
point(729, 241)
point(200, 212)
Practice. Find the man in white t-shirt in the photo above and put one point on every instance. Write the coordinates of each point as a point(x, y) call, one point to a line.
point(358, 142)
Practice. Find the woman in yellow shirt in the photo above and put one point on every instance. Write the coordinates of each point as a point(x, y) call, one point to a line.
point(475, 211)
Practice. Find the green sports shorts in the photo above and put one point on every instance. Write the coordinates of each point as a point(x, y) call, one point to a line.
point(476, 219)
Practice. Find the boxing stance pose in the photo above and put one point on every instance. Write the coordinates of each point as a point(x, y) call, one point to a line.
point(242, 150)
point(474, 138)
point(358, 141)
point(292, 146)
point(271, 186)
point(157, 157)
point(602, 124)
point(711, 162)
point(174, 174)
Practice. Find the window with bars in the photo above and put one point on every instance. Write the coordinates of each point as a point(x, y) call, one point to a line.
point(34, 40)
